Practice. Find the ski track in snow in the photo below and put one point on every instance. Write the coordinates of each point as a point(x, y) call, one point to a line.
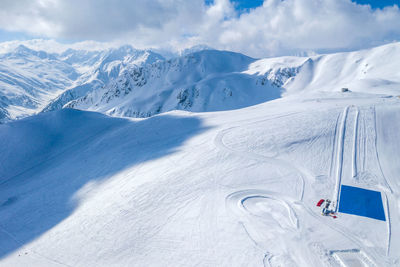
point(32, 251)
point(355, 138)
point(339, 158)
point(388, 183)
point(389, 186)
point(339, 148)
point(264, 213)
point(331, 169)
point(236, 200)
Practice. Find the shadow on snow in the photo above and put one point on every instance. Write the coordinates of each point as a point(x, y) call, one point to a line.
point(47, 158)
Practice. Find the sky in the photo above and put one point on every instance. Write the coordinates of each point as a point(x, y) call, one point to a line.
point(254, 27)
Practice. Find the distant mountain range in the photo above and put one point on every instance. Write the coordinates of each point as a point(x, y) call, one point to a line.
point(33, 81)
point(142, 83)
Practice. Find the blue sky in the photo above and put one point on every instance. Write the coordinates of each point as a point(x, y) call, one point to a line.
point(379, 3)
point(246, 4)
point(9, 36)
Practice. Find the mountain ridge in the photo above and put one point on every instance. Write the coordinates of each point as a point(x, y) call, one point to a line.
point(32, 81)
point(140, 83)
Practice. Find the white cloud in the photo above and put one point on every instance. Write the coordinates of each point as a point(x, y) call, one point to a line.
point(275, 28)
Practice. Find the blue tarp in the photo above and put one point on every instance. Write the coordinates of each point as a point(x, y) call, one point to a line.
point(361, 202)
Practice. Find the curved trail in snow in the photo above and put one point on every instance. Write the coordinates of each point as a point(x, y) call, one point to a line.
point(339, 147)
point(237, 200)
point(218, 141)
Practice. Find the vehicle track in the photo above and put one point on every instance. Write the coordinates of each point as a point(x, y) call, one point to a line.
point(335, 169)
point(389, 186)
point(218, 141)
point(355, 142)
point(339, 148)
point(339, 158)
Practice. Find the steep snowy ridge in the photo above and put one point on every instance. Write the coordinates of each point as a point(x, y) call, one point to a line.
point(208, 80)
point(31, 81)
point(141, 83)
point(212, 80)
point(98, 69)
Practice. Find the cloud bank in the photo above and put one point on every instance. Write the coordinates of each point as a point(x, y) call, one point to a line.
point(278, 27)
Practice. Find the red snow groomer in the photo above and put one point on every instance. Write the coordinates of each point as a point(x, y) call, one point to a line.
point(326, 211)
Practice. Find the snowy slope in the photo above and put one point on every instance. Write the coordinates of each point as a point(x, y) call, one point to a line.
point(233, 188)
point(370, 71)
point(31, 81)
point(212, 80)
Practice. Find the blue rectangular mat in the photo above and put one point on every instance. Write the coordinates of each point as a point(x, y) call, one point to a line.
point(361, 202)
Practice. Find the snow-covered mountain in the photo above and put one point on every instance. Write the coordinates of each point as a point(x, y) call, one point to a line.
point(212, 80)
point(32, 81)
point(208, 80)
point(29, 79)
point(98, 69)
point(370, 71)
point(141, 83)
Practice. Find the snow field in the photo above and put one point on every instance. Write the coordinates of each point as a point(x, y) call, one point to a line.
point(233, 188)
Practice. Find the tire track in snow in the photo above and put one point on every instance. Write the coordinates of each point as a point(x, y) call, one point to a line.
point(377, 155)
point(339, 158)
point(346, 234)
point(355, 140)
point(218, 141)
point(334, 147)
point(339, 162)
point(388, 225)
point(338, 167)
point(364, 145)
point(238, 204)
point(388, 215)
point(239, 198)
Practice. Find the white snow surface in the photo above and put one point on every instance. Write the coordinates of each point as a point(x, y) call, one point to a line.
point(221, 188)
point(231, 188)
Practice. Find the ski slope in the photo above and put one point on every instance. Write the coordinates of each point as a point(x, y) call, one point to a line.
point(227, 188)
